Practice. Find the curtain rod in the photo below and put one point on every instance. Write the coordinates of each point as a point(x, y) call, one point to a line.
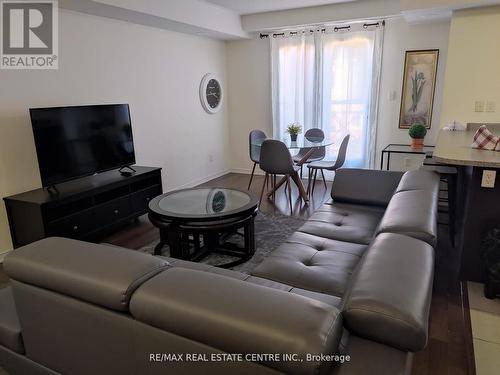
point(322, 29)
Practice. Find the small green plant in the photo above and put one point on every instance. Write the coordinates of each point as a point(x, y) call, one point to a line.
point(417, 131)
point(294, 129)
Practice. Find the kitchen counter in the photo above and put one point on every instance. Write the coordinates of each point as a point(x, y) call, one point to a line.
point(476, 206)
point(453, 147)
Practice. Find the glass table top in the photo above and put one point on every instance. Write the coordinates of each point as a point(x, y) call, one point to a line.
point(301, 142)
point(408, 149)
point(204, 202)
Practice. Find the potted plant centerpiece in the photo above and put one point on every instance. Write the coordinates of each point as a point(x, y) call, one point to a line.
point(417, 133)
point(294, 130)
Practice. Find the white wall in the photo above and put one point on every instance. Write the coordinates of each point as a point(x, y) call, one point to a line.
point(340, 12)
point(201, 14)
point(472, 69)
point(187, 16)
point(400, 37)
point(452, 4)
point(250, 88)
point(157, 72)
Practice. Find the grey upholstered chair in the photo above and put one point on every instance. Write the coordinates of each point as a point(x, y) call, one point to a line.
point(275, 159)
point(327, 165)
point(255, 137)
point(319, 153)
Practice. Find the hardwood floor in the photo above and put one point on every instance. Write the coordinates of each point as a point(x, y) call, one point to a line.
point(449, 350)
point(143, 233)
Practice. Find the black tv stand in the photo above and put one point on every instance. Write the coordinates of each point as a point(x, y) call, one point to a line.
point(87, 208)
point(127, 173)
point(52, 190)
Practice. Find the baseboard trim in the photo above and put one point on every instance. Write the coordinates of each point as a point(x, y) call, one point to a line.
point(258, 171)
point(3, 254)
point(199, 181)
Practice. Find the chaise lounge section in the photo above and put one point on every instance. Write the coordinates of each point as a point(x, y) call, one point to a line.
point(355, 279)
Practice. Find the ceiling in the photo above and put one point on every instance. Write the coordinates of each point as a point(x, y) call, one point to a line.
point(259, 6)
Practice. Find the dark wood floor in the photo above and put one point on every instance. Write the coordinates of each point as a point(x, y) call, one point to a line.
point(449, 350)
point(143, 233)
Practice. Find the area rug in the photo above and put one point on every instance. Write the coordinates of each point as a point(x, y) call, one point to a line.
point(270, 232)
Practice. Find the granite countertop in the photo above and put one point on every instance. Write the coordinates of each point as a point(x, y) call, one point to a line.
point(453, 147)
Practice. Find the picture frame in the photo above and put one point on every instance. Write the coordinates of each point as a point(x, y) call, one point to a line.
point(419, 85)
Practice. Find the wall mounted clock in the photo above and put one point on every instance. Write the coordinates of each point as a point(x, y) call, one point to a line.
point(211, 93)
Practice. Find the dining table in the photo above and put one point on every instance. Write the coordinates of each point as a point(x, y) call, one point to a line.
point(309, 145)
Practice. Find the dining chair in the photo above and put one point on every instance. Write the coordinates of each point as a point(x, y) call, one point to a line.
point(327, 165)
point(275, 159)
point(254, 138)
point(319, 152)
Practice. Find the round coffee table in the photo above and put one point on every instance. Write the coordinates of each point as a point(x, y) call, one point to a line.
point(197, 222)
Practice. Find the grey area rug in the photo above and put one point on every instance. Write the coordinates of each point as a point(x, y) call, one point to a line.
point(270, 232)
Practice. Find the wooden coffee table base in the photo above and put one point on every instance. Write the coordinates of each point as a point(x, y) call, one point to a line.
point(195, 241)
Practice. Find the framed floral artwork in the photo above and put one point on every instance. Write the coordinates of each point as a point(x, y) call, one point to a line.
point(419, 83)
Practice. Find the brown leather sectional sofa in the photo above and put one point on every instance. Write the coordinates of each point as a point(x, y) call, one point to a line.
point(349, 293)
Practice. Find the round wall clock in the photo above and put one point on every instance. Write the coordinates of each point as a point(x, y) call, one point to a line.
point(211, 93)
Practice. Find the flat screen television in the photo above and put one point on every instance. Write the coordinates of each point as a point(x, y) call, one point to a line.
point(73, 142)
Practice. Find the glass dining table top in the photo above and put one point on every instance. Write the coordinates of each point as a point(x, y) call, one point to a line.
point(301, 142)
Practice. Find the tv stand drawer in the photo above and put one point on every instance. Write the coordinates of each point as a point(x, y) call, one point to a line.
point(140, 200)
point(110, 212)
point(74, 226)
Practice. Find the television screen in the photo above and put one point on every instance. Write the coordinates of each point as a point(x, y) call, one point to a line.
point(73, 142)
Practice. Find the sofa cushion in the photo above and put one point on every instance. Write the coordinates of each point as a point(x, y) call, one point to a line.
point(344, 222)
point(239, 317)
point(390, 294)
point(267, 282)
point(100, 274)
point(369, 357)
point(413, 213)
point(10, 328)
point(419, 180)
point(364, 186)
point(312, 263)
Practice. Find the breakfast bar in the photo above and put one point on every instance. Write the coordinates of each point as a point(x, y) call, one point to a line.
point(478, 206)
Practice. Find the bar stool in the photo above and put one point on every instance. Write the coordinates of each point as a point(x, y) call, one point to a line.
point(448, 176)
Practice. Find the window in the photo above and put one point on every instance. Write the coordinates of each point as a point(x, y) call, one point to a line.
point(329, 81)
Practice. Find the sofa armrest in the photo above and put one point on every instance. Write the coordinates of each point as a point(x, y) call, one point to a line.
point(365, 186)
point(390, 294)
point(237, 317)
point(412, 213)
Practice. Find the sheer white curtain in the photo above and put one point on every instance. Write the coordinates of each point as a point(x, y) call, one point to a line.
point(330, 80)
point(294, 81)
